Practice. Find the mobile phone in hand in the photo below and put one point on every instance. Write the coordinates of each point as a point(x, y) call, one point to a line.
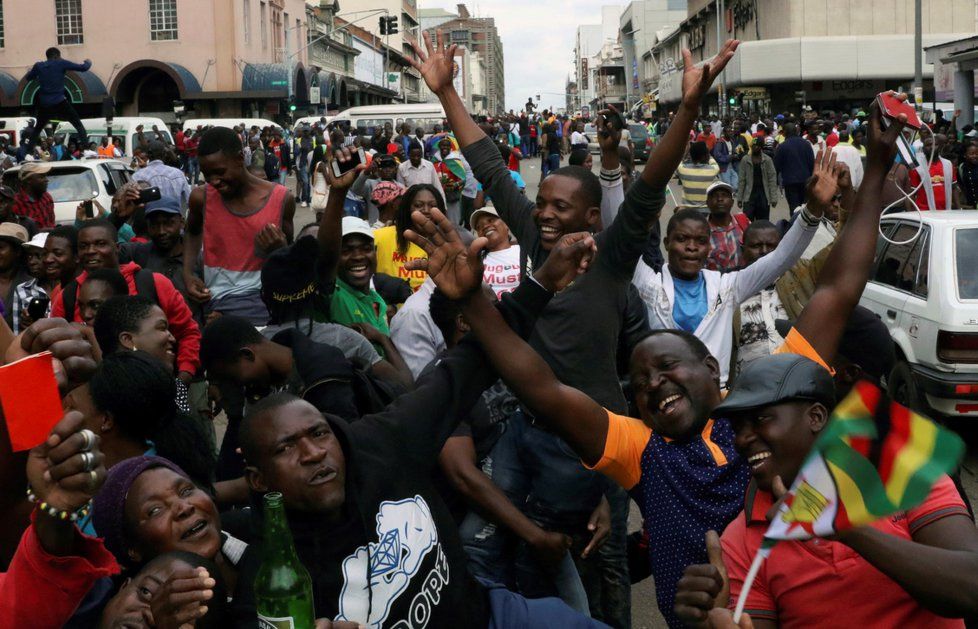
point(150, 194)
point(341, 168)
point(89, 207)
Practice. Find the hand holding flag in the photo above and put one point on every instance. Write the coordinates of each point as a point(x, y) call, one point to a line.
point(873, 459)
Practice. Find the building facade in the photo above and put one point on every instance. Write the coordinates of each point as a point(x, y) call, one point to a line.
point(218, 57)
point(829, 54)
point(639, 26)
point(399, 47)
point(477, 35)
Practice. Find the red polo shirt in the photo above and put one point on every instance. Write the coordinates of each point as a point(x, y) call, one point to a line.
point(818, 583)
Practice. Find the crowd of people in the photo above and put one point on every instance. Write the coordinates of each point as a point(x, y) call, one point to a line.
point(459, 391)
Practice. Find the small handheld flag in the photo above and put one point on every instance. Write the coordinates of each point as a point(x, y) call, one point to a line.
point(873, 459)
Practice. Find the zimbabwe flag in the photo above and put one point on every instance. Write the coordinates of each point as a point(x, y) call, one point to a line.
point(874, 458)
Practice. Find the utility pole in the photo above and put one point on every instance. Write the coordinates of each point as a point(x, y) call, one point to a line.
point(721, 87)
point(918, 47)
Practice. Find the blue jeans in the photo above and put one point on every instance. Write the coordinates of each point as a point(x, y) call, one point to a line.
point(193, 166)
point(512, 611)
point(729, 176)
point(282, 176)
point(305, 192)
point(551, 162)
point(525, 144)
point(495, 554)
point(605, 575)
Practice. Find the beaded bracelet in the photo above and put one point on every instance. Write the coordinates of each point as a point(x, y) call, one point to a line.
point(58, 514)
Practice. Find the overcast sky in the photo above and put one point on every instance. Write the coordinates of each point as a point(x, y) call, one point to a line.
point(538, 42)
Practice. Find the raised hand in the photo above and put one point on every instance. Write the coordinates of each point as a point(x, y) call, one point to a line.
point(569, 258)
point(697, 80)
point(823, 185)
point(455, 268)
point(437, 66)
point(608, 136)
point(346, 180)
point(703, 587)
point(68, 469)
point(880, 143)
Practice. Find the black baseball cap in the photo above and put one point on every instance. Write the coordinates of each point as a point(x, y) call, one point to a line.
point(775, 379)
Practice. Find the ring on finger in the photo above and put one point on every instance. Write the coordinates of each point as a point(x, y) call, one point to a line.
point(89, 438)
point(88, 460)
point(93, 475)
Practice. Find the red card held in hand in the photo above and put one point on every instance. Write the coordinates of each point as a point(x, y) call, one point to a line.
point(30, 400)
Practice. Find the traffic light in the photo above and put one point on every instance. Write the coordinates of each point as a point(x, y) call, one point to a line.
point(383, 24)
point(800, 96)
point(291, 105)
point(732, 100)
point(392, 25)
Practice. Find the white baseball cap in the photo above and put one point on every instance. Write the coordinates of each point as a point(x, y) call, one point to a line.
point(487, 209)
point(355, 225)
point(717, 185)
point(38, 240)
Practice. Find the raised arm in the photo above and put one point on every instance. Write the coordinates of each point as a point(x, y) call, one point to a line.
point(331, 225)
point(696, 83)
point(436, 66)
point(457, 271)
point(847, 267)
point(820, 190)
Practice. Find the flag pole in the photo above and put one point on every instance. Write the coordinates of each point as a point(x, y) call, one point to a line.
point(755, 567)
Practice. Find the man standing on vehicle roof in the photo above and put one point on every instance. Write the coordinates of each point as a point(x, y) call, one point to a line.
point(50, 74)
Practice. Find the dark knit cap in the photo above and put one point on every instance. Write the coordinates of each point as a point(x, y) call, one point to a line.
point(109, 508)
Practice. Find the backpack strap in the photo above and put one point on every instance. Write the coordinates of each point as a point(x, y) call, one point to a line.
point(68, 297)
point(146, 285)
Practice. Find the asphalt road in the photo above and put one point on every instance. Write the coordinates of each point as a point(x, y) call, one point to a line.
point(645, 613)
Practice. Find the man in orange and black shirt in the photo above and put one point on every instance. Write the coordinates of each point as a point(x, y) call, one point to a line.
point(677, 462)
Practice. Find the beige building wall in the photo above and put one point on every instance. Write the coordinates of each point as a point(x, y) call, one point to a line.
point(213, 38)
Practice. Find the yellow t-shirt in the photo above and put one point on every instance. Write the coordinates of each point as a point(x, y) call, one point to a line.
point(391, 261)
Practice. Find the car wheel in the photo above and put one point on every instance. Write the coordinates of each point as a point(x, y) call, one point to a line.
point(903, 389)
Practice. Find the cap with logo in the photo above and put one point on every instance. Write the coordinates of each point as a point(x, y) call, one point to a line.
point(778, 378)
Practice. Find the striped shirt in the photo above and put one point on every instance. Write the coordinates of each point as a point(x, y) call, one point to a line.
point(23, 294)
point(41, 211)
point(695, 179)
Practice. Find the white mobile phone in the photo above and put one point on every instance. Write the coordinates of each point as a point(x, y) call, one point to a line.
point(341, 168)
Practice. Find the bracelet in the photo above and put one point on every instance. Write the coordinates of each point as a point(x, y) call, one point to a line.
point(611, 175)
point(54, 512)
point(807, 216)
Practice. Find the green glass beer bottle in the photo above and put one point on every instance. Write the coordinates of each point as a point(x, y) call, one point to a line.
point(283, 589)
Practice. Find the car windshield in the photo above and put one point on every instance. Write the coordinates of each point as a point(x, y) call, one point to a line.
point(966, 257)
point(637, 130)
point(72, 184)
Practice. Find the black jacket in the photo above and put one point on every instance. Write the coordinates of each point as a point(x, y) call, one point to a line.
point(396, 554)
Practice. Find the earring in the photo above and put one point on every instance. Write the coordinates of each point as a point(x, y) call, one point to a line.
point(135, 349)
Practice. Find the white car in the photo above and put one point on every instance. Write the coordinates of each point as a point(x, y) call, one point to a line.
point(926, 292)
point(71, 182)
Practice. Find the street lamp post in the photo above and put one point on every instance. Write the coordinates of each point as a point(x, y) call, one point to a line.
point(918, 64)
point(721, 86)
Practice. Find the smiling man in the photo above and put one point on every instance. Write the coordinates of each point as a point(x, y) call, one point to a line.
point(97, 250)
point(245, 217)
point(678, 461)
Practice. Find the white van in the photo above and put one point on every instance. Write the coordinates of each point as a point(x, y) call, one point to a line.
point(123, 127)
point(13, 128)
point(230, 123)
point(309, 121)
point(371, 117)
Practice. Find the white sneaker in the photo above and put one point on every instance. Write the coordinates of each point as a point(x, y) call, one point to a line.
point(304, 204)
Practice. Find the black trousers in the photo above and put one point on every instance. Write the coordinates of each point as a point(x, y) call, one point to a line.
point(794, 193)
point(59, 111)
